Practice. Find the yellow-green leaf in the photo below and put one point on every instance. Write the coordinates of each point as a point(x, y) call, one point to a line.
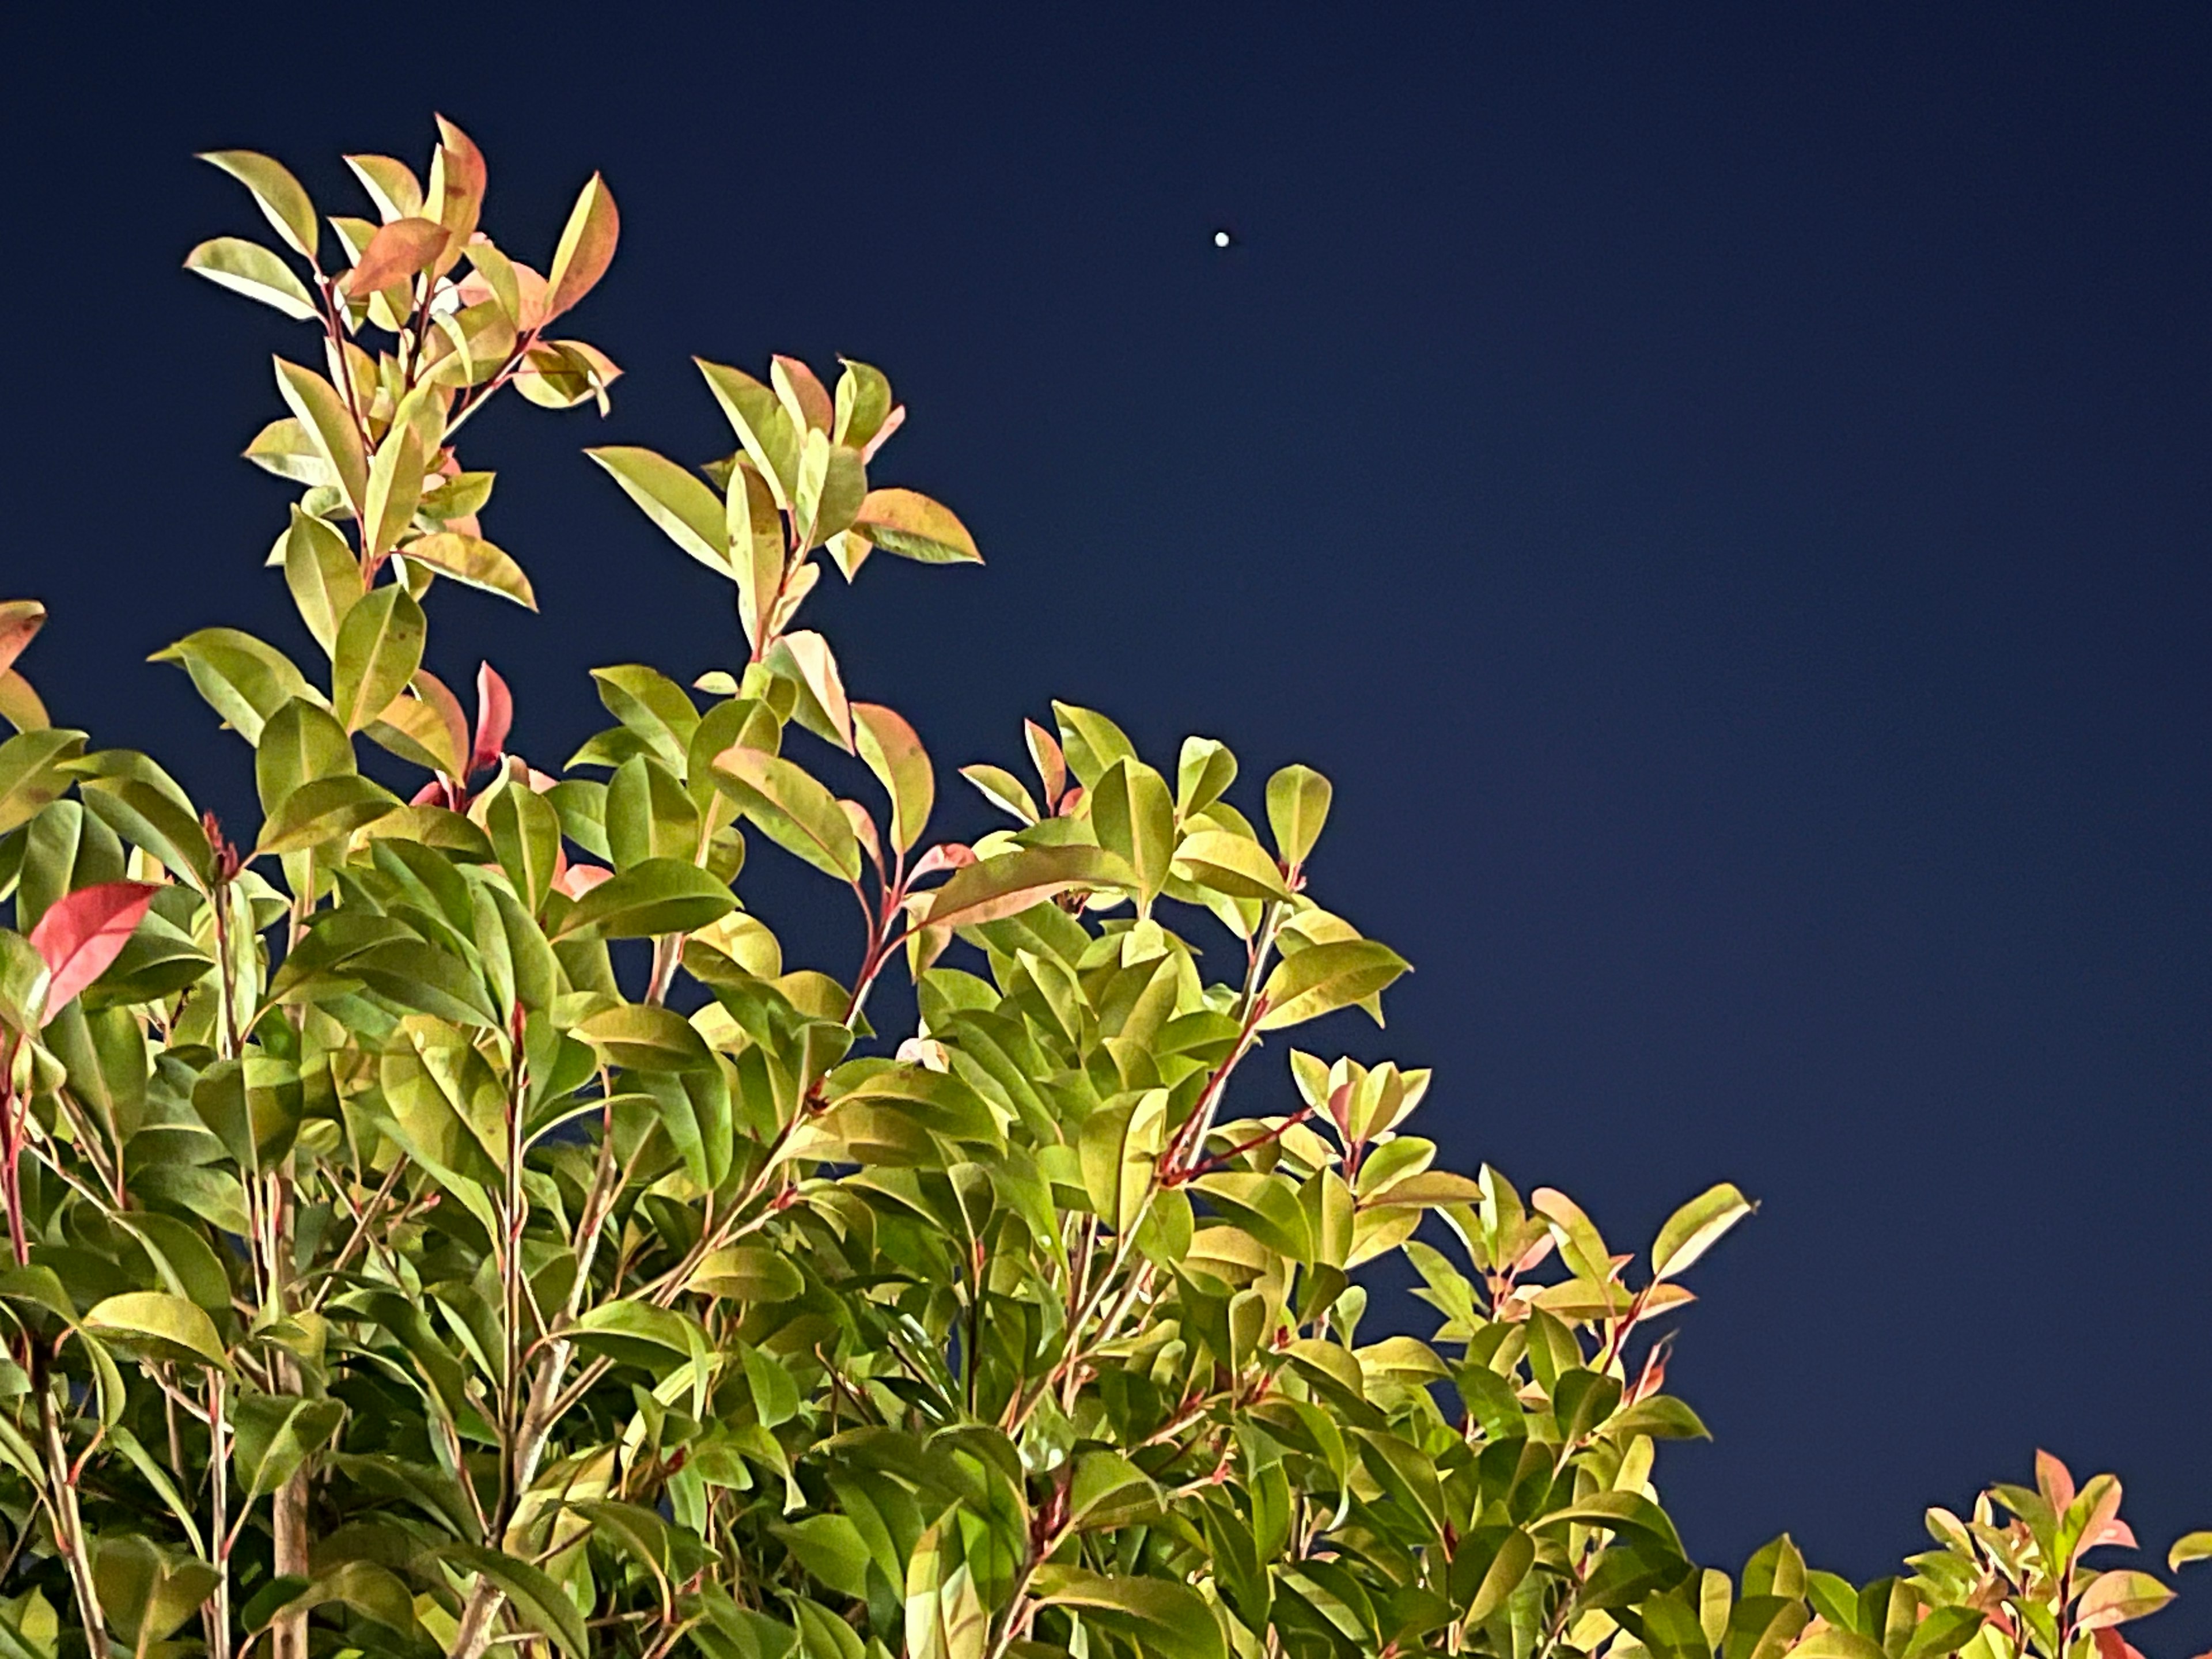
point(322, 414)
point(763, 428)
point(672, 498)
point(910, 524)
point(1298, 806)
point(1696, 1228)
point(250, 269)
point(1322, 978)
point(163, 1326)
point(379, 647)
point(279, 196)
point(324, 810)
point(795, 810)
point(1228, 863)
point(587, 245)
point(1007, 886)
point(894, 753)
point(473, 562)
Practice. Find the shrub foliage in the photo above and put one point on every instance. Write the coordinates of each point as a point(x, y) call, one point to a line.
point(396, 1269)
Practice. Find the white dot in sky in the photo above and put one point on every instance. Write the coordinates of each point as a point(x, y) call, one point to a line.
point(1221, 239)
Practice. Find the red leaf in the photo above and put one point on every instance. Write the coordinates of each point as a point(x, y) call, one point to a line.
point(19, 620)
point(80, 936)
point(494, 718)
point(395, 254)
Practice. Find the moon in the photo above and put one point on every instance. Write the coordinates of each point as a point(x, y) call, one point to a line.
point(1221, 239)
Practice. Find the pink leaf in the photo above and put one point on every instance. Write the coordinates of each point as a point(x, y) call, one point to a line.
point(2053, 1476)
point(494, 718)
point(579, 879)
point(950, 856)
point(80, 936)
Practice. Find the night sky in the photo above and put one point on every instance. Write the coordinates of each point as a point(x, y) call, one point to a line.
point(1723, 491)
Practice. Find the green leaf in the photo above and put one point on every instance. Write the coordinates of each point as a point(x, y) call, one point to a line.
point(1696, 1228)
point(1663, 1418)
point(162, 1326)
point(1203, 775)
point(284, 447)
point(1134, 817)
point(187, 1263)
point(674, 499)
point(243, 680)
point(30, 776)
point(1945, 1630)
point(1297, 807)
point(329, 425)
point(250, 269)
point(323, 574)
point(539, 1604)
point(300, 742)
point(909, 524)
point(1229, 863)
point(895, 755)
point(1120, 1146)
point(1322, 978)
point(145, 1593)
point(379, 647)
point(1832, 1641)
point(805, 660)
point(1090, 742)
point(473, 562)
point(391, 185)
point(133, 1451)
point(752, 531)
point(994, 888)
point(762, 426)
point(659, 896)
point(747, 1273)
point(862, 407)
point(831, 488)
point(324, 810)
point(647, 814)
point(1620, 1512)
point(525, 833)
point(641, 1037)
point(280, 197)
point(395, 488)
point(1003, 790)
point(1165, 1617)
point(276, 1434)
point(794, 810)
point(2190, 1546)
point(140, 802)
point(945, 1618)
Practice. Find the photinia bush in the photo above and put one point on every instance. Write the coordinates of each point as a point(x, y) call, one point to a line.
point(390, 1275)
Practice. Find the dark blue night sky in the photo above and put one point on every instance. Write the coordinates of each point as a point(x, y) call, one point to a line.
point(1723, 491)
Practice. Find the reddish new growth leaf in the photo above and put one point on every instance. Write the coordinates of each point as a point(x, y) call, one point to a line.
point(19, 620)
point(494, 719)
point(80, 936)
point(395, 254)
point(2055, 1479)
